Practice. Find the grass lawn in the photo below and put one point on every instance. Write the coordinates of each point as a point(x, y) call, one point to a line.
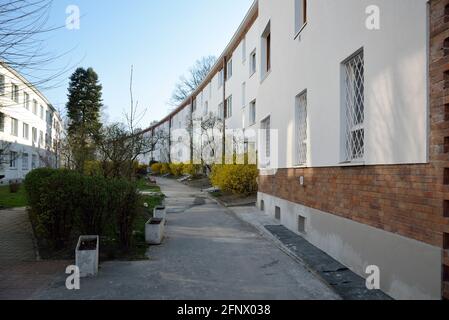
point(143, 185)
point(12, 200)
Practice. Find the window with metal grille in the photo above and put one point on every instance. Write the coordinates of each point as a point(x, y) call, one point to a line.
point(301, 128)
point(2, 84)
point(354, 82)
point(15, 93)
point(228, 113)
point(14, 127)
point(252, 113)
point(25, 161)
point(2, 122)
point(266, 126)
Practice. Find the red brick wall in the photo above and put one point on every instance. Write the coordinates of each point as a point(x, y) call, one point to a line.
point(408, 200)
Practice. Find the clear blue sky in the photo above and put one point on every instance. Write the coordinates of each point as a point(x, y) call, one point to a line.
point(161, 38)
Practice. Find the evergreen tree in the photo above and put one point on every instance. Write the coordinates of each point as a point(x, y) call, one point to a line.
point(83, 110)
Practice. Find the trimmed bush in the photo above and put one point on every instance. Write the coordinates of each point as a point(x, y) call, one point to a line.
point(65, 203)
point(54, 197)
point(237, 179)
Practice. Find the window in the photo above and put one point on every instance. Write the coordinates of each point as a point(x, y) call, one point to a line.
point(26, 131)
point(14, 127)
point(206, 108)
point(243, 94)
point(34, 163)
point(300, 15)
point(228, 107)
point(252, 65)
point(266, 51)
point(301, 128)
point(229, 70)
point(220, 78)
point(41, 138)
point(252, 113)
point(42, 112)
point(26, 101)
point(15, 92)
point(2, 84)
point(34, 135)
point(194, 105)
point(354, 83)
point(220, 111)
point(35, 107)
point(25, 160)
point(266, 126)
point(13, 160)
point(244, 50)
point(2, 122)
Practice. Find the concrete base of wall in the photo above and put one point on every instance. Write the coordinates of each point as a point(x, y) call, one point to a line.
point(410, 270)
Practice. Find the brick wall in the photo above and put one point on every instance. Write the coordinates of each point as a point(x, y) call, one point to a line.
point(409, 200)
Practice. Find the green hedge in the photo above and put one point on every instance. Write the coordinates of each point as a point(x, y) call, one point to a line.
point(64, 203)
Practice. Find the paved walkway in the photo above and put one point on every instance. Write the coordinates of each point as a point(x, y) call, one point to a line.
point(20, 274)
point(208, 253)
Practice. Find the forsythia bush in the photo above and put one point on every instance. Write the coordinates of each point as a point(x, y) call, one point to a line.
point(191, 169)
point(176, 169)
point(156, 168)
point(165, 169)
point(238, 179)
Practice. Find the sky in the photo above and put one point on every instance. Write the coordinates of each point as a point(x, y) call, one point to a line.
point(161, 39)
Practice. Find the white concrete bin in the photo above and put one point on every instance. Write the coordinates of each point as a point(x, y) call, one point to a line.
point(86, 255)
point(160, 212)
point(154, 231)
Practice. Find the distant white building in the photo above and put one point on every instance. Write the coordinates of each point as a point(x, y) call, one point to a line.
point(30, 127)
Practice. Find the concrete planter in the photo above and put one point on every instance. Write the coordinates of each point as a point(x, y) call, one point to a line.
point(87, 252)
point(154, 231)
point(160, 212)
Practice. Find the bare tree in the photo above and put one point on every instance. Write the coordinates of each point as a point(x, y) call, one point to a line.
point(187, 84)
point(121, 145)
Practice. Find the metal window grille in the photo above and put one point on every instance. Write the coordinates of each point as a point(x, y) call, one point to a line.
point(266, 125)
point(355, 108)
point(301, 113)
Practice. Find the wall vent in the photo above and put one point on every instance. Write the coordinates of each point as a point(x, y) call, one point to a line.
point(277, 213)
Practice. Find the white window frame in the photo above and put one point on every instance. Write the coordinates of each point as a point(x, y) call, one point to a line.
point(354, 108)
point(26, 100)
point(265, 124)
point(228, 114)
point(229, 70)
point(2, 84)
point(253, 63)
point(220, 78)
point(301, 16)
point(2, 122)
point(41, 112)
point(34, 135)
point(265, 62)
point(14, 92)
point(14, 127)
point(26, 131)
point(301, 130)
point(243, 95)
point(13, 160)
point(25, 162)
point(252, 112)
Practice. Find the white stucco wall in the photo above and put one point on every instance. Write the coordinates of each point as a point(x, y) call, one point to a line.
point(17, 110)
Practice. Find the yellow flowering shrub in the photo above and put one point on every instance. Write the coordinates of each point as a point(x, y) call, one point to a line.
point(238, 179)
point(156, 168)
point(176, 169)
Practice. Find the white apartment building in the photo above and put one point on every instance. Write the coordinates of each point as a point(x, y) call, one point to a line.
point(30, 128)
point(356, 155)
